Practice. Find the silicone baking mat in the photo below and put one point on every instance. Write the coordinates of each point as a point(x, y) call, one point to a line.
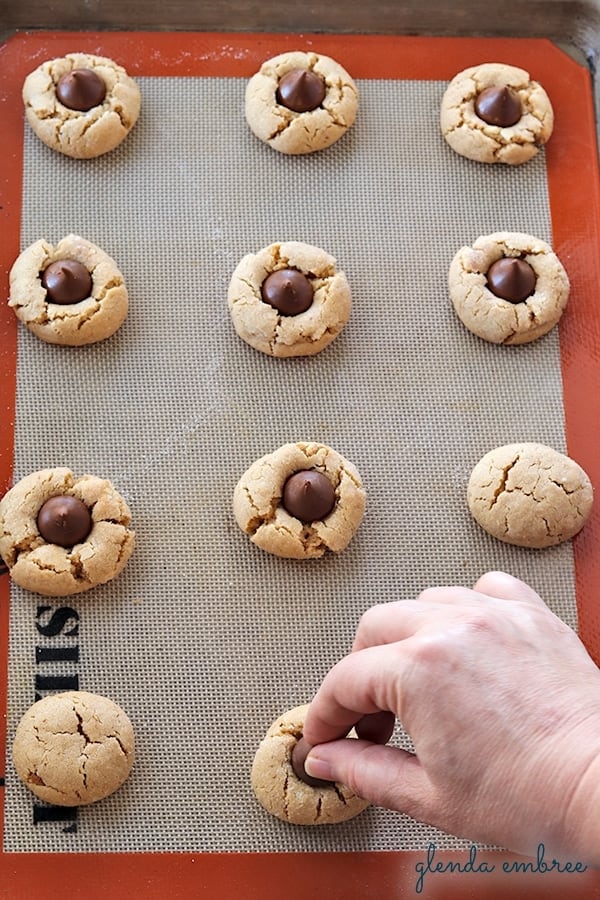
point(204, 639)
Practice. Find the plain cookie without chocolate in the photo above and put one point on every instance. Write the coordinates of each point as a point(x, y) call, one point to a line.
point(77, 129)
point(322, 98)
point(259, 496)
point(282, 793)
point(74, 748)
point(94, 317)
point(70, 558)
point(518, 114)
point(515, 320)
point(529, 495)
point(273, 330)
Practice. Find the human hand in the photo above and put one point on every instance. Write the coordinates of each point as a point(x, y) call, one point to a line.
point(502, 703)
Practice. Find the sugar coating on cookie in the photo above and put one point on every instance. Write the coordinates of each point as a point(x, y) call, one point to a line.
point(291, 131)
point(279, 790)
point(499, 320)
point(54, 570)
point(74, 748)
point(91, 319)
point(265, 327)
point(260, 513)
point(472, 136)
point(82, 134)
point(529, 495)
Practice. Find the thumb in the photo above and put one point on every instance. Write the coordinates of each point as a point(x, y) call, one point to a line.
point(385, 776)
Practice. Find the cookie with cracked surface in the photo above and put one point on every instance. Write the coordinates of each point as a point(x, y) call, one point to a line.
point(283, 793)
point(74, 748)
point(495, 113)
point(300, 102)
point(80, 104)
point(289, 299)
point(319, 511)
point(61, 534)
point(529, 495)
point(71, 294)
point(508, 288)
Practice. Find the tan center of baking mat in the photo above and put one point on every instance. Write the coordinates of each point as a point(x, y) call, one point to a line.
point(205, 639)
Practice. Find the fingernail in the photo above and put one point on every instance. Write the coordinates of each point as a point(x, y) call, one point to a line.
point(317, 767)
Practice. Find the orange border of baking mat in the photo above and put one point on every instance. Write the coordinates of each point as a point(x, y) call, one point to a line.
point(574, 190)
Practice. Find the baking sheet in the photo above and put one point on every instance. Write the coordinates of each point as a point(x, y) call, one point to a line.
point(174, 407)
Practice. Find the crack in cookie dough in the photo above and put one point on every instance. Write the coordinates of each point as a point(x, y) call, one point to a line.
point(293, 132)
point(279, 790)
point(88, 134)
point(471, 136)
point(74, 748)
point(263, 327)
point(92, 319)
point(56, 571)
point(529, 495)
point(497, 320)
point(259, 512)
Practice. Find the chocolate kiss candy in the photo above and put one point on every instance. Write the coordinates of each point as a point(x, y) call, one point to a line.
point(498, 106)
point(512, 279)
point(66, 281)
point(288, 291)
point(81, 89)
point(64, 520)
point(308, 495)
point(301, 90)
point(299, 754)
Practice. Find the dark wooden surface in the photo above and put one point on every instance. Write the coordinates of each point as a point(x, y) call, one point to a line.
point(569, 22)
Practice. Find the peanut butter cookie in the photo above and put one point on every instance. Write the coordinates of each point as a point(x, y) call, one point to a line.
point(300, 102)
point(289, 299)
point(529, 495)
point(508, 288)
point(71, 294)
point(300, 501)
point(61, 534)
point(80, 104)
point(495, 113)
point(74, 748)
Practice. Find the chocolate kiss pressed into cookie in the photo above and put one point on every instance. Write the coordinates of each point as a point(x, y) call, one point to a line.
point(81, 89)
point(287, 290)
point(512, 279)
point(301, 90)
point(64, 520)
point(299, 753)
point(498, 106)
point(308, 495)
point(66, 281)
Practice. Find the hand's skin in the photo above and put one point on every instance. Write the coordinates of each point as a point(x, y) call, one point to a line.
point(502, 703)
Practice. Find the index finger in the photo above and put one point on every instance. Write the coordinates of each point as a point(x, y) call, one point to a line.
point(362, 683)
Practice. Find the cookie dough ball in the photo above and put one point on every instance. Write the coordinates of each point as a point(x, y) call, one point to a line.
point(280, 790)
point(494, 113)
point(508, 288)
point(81, 105)
point(529, 495)
point(73, 748)
point(300, 501)
point(61, 534)
point(300, 102)
point(289, 299)
point(71, 294)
